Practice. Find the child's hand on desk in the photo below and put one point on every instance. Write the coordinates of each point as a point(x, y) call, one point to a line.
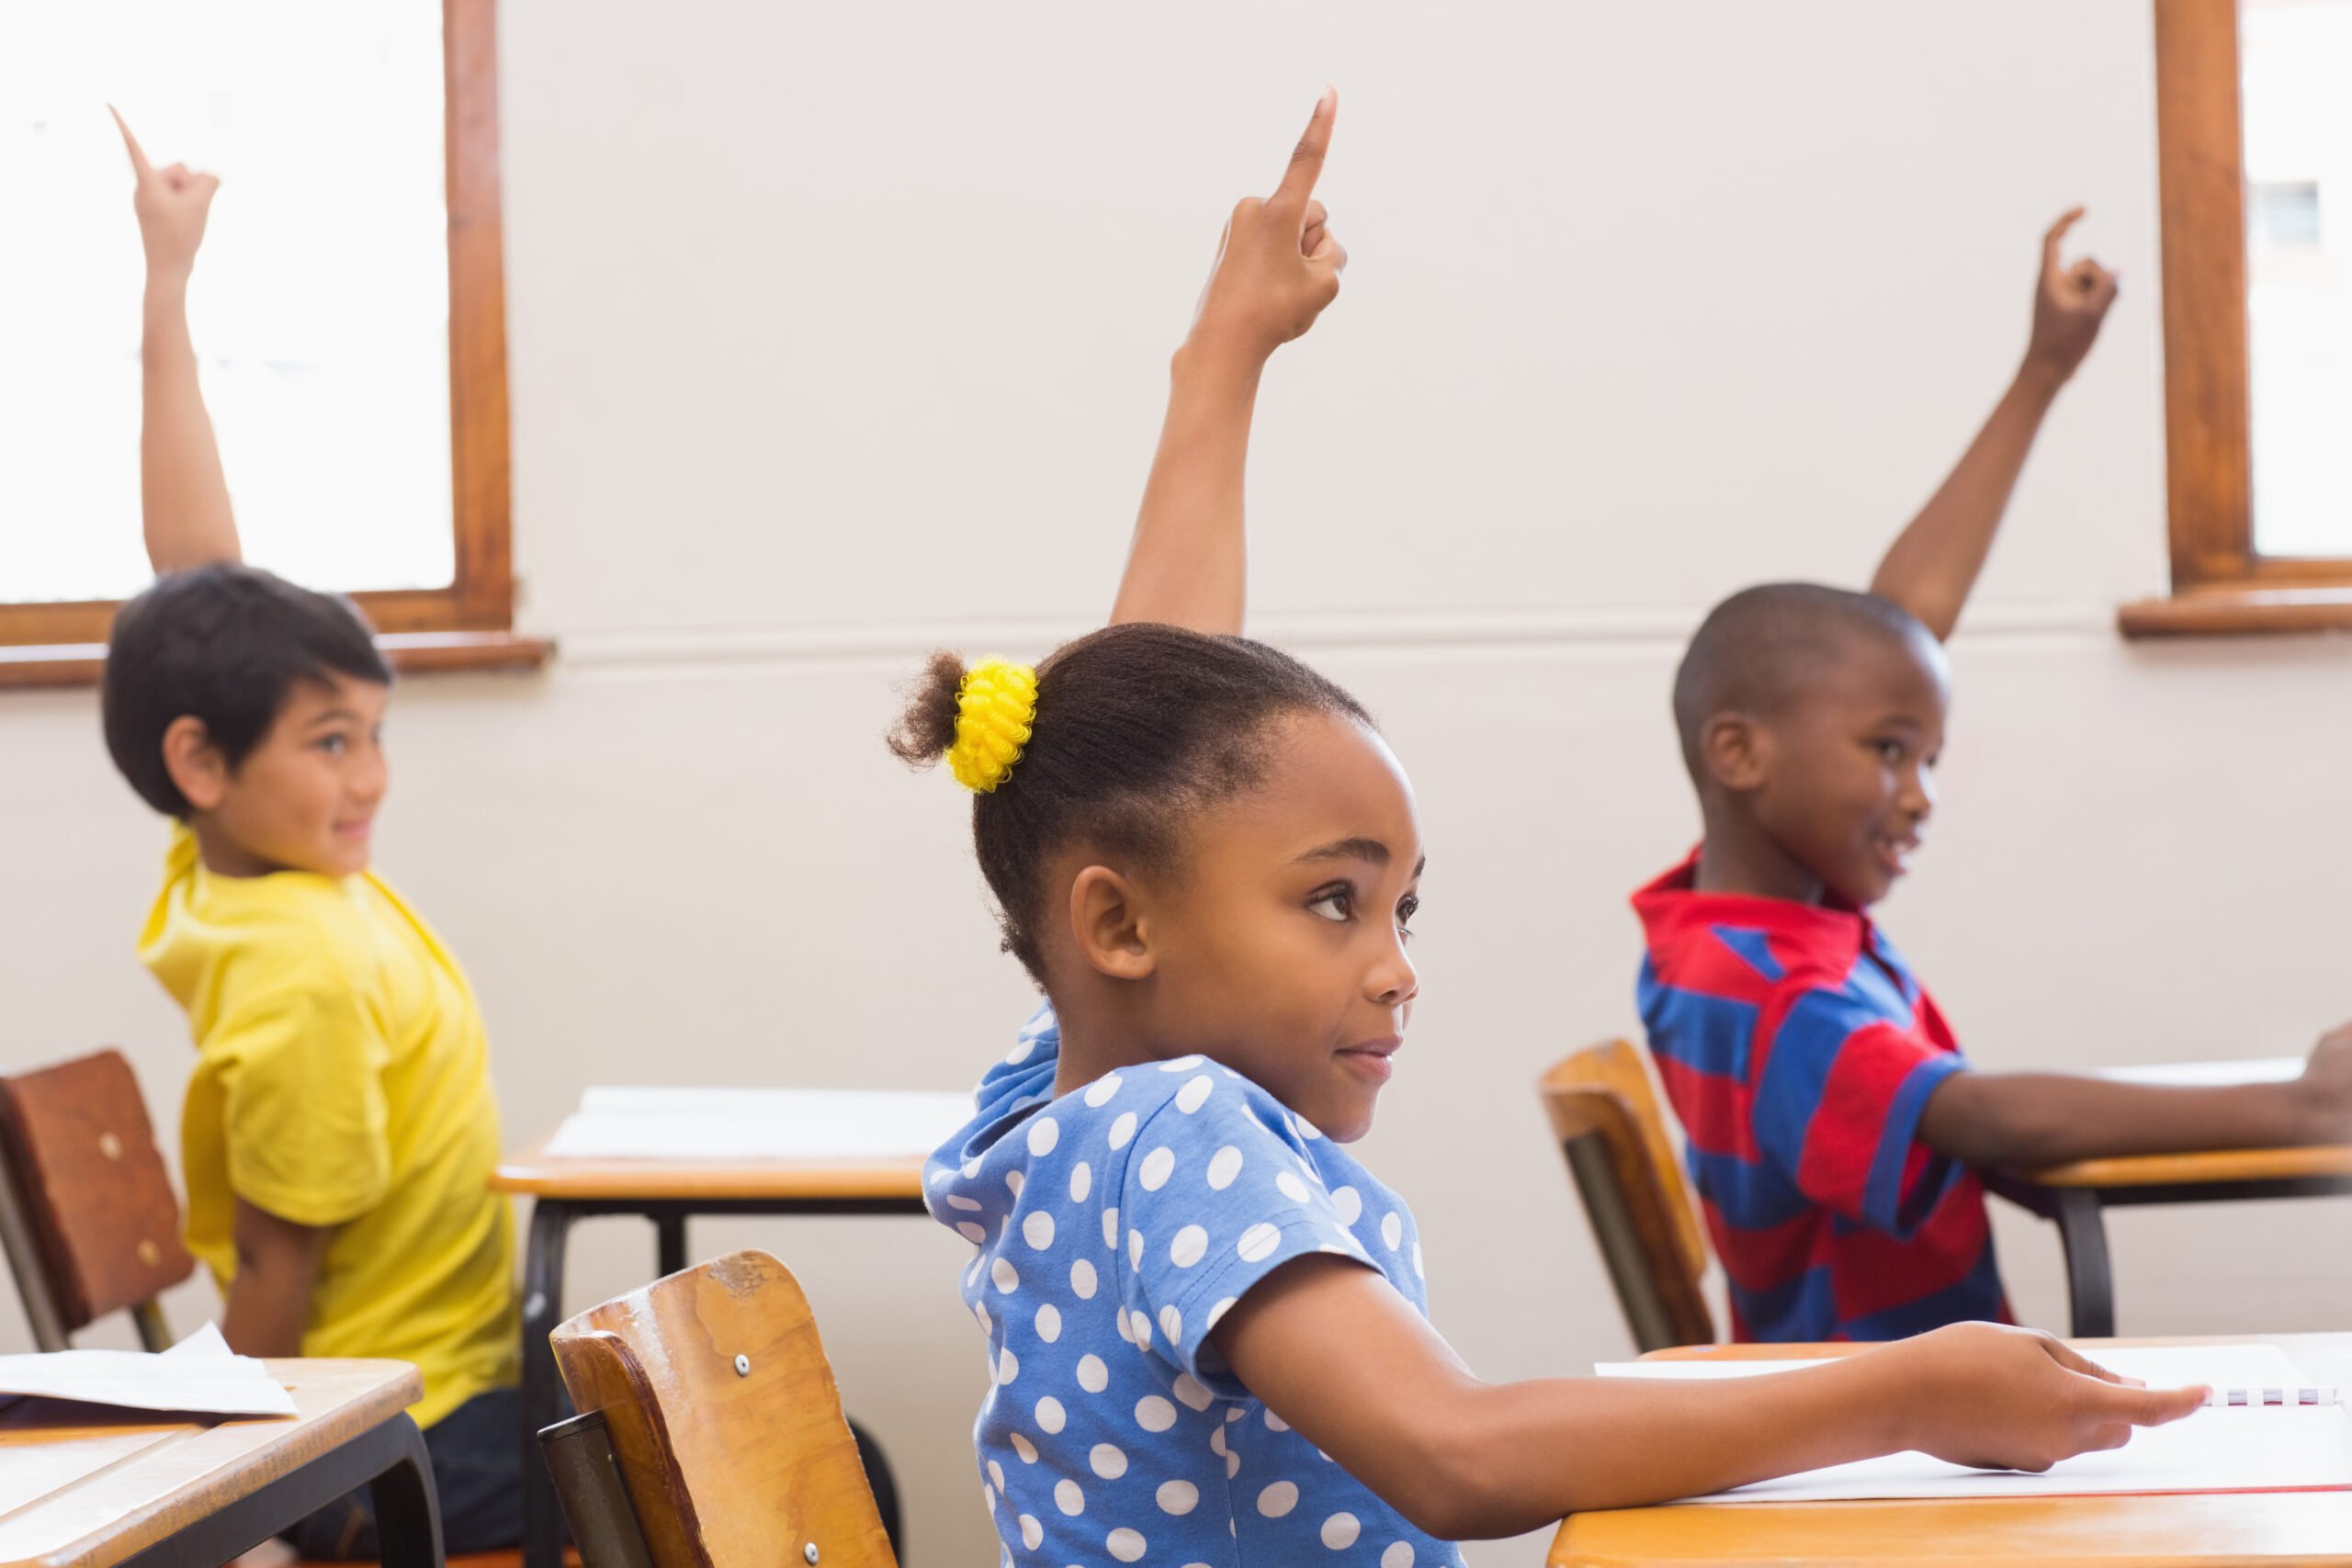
point(2015, 1399)
point(2326, 1087)
point(2069, 304)
point(172, 204)
point(1278, 264)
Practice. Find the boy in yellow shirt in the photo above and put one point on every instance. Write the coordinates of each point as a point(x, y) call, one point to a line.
point(340, 1128)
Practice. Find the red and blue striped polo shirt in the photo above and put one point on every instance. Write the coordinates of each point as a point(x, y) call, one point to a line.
point(1800, 1052)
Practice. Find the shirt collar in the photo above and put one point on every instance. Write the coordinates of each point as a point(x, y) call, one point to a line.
point(1673, 912)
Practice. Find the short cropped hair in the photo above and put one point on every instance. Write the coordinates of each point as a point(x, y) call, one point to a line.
point(225, 644)
point(1139, 729)
point(1762, 646)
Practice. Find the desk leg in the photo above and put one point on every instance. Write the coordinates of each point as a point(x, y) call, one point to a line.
point(2090, 1288)
point(542, 1394)
point(407, 1508)
point(390, 1459)
point(669, 1231)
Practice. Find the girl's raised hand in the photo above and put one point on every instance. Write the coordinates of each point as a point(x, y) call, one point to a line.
point(1278, 264)
point(172, 204)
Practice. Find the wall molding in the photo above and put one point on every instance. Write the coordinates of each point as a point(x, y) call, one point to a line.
point(1353, 632)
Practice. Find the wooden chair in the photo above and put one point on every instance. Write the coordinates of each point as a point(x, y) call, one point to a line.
point(89, 1217)
point(1605, 1113)
point(723, 1441)
point(87, 1214)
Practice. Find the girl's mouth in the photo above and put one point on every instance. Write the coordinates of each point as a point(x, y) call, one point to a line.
point(1372, 1058)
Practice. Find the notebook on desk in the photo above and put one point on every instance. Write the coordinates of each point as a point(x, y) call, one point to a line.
point(2268, 1449)
point(698, 1124)
point(2210, 1075)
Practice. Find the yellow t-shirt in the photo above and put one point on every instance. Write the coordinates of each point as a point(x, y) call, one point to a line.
point(343, 1080)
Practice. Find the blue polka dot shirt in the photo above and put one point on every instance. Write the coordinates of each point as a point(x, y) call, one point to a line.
point(1114, 1227)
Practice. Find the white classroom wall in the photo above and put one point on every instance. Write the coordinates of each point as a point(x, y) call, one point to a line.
point(839, 331)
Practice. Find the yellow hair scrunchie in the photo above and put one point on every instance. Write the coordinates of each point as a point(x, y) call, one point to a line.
point(995, 708)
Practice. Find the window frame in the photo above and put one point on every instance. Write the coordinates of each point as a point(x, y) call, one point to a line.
point(2221, 584)
point(468, 623)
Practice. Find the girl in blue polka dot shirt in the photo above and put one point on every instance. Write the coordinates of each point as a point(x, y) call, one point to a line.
point(1206, 1322)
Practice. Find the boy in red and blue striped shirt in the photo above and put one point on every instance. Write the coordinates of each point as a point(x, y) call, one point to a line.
point(1801, 1054)
point(1833, 1127)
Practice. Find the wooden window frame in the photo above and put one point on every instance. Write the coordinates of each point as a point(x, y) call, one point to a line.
point(2221, 584)
point(467, 624)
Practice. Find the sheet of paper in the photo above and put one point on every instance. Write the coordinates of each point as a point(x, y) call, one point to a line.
point(2210, 1450)
point(205, 1341)
point(2207, 1075)
point(757, 1123)
point(199, 1376)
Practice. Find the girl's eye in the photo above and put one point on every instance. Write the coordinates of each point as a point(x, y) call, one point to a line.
point(1889, 751)
point(1334, 904)
point(1407, 907)
point(333, 745)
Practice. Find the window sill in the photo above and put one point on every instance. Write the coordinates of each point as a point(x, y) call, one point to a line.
point(410, 653)
point(2239, 612)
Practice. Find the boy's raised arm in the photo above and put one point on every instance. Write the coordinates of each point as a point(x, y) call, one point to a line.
point(1276, 268)
point(1934, 564)
point(183, 495)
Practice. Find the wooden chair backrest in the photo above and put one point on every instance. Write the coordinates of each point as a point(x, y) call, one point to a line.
point(725, 1420)
point(92, 1223)
point(1605, 1113)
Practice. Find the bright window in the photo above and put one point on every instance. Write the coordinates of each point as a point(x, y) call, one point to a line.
point(2255, 167)
point(320, 308)
point(2294, 60)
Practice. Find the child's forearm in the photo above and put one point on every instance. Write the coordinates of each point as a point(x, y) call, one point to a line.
point(1934, 564)
point(184, 495)
point(1547, 1448)
point(2030, 1120)
point(1373, 1384)
point(1337, 1354)
point(264, 1315)
point(1188, 563)
point(269, 1295)
point(1278, 267)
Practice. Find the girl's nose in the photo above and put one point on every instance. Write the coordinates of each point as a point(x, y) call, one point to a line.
point(1396, 982)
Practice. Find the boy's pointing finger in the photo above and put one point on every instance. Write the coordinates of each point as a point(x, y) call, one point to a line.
point(139, 164)
point(2056, 236)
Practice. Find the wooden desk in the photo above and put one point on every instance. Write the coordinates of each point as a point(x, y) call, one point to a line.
point(2076, 1198)
point(667, 1192)
point(2194, 1530)
point(83, 1486)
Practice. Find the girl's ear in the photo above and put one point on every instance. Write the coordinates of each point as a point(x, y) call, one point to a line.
point(1106, 920)
point(194, 763)
point(1735, 751)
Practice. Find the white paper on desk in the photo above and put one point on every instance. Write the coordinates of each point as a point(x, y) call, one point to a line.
point(2210, 1075)
point(2266, 1449)
point(200, 1374)
point(757, 1123)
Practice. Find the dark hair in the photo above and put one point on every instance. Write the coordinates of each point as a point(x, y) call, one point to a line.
point(1138, 727)
point(1759, 648)
point(225, 644)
